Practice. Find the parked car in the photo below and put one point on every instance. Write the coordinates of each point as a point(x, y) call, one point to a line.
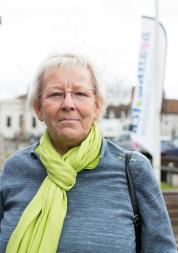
point(169, 153)
point(124, 140)
point(166, 145)
point(175, 141)
point(170, 157)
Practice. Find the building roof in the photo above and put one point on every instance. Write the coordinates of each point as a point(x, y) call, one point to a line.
point(24, 96)
point(117, 110)
point(170, 106)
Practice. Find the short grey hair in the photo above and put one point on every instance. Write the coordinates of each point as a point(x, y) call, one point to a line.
point(64, 60)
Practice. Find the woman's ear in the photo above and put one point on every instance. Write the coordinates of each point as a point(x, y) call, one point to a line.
point(38, 110)
point(98, 109)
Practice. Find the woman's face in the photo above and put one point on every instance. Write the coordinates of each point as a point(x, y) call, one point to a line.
point(68, 116)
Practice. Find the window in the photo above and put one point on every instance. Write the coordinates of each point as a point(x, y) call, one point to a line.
point(8, 121)
point(33, 122)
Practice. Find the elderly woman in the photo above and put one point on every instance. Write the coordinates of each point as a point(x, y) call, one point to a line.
point(68, 192)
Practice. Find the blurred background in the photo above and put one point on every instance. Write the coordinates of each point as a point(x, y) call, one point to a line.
point(109, 33)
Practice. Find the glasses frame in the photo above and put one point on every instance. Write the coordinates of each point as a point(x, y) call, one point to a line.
point(69, 91)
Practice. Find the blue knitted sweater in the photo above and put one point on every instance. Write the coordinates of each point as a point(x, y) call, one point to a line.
point(100, 216)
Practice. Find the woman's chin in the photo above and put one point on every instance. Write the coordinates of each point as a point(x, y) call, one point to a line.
point(69, 136)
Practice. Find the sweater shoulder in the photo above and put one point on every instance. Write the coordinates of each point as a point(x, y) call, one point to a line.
point(139, 164)
point(20, 161)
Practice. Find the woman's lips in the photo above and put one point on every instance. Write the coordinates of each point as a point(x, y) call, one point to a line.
point(68, 120)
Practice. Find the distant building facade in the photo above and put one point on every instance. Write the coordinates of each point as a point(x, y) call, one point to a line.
point(115, 120)
point(169, 117)
point(17, 119)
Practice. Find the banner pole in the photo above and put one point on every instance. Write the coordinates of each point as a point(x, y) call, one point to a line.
point(146, 105)
point(157, 153)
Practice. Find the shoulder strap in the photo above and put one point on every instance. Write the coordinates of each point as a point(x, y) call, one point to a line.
point(137, 217)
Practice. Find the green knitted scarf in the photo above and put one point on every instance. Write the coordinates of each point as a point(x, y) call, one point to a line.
point(40, 225)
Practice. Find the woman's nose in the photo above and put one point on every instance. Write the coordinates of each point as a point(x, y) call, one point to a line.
point(68, 102)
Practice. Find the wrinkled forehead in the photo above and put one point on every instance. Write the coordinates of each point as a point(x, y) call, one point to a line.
point(73, 75)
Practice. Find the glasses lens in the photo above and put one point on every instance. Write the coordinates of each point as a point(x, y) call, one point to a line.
point(78, 95)
point(82, 94)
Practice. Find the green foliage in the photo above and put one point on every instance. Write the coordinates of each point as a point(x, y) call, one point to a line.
point(165, 186)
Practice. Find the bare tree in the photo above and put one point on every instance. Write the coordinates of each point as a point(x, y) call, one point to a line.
point(118, 91)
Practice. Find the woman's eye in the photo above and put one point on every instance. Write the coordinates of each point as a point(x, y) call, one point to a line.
point(80, 94)
point(56, 94)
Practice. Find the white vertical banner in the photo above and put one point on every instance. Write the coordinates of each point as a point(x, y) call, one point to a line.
point(147, 101)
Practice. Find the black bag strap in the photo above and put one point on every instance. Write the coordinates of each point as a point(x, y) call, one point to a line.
point(137, 217)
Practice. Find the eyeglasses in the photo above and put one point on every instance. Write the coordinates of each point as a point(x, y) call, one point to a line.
point(77, 95)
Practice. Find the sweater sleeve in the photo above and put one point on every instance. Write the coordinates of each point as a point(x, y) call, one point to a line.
point(1, 198)
point(157, 234)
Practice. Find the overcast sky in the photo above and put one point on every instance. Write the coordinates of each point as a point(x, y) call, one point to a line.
point(107, 31)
